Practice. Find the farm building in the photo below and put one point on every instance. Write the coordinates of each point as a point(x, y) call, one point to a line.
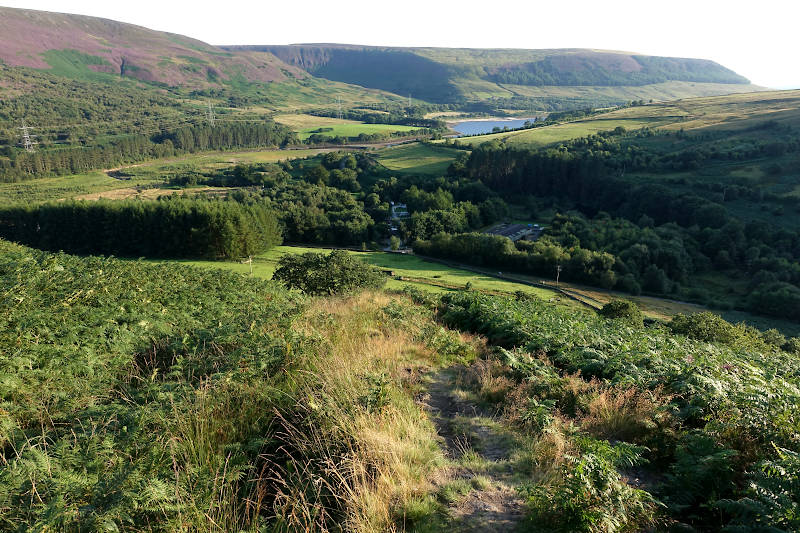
point(399, 211)
point(517, 232)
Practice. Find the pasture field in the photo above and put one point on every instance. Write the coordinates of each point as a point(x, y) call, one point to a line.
point(353, 130)
point(417, 158)
point(45, 189)
point(302, 121)
point(308, 125)
point(537, 137)
point(417, 272)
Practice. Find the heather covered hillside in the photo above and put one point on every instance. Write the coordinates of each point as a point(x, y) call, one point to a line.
point(77, 46)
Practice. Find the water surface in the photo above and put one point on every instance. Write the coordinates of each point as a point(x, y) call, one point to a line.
point(476, 127)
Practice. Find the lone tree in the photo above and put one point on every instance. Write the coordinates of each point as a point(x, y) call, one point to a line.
point(335, 273)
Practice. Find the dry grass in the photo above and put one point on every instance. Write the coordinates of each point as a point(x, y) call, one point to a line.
point(144, 194)
point(487, 377)
point(626, 414)
point(371, 444)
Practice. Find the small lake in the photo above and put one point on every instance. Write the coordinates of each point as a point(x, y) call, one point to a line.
point(475, 127)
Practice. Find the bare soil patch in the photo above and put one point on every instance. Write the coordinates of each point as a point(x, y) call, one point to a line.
point(470, 431)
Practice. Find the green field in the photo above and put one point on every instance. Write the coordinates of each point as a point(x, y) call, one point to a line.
point(731, 112)
point(308, 125)
point(352, 130)
point(536, 137)
point(417, 158)
point(415, 271)
point(439, 278)
point(44, 189)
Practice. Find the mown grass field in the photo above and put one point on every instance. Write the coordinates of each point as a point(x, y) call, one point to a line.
point(417, 158)
point(439, 278)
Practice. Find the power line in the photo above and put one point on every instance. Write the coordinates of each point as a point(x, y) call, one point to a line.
point(27, 139)
point(210, 114)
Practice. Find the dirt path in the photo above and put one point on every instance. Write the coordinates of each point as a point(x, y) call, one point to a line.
point(481, 453)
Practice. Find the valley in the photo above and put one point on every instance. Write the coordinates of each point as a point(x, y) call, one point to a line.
point(267, 288)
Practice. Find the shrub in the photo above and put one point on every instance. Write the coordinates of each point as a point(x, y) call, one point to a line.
point(704, 326)
point(624, 310)
point(768, 499)
point(335, 273)
point(776, 299)
point(792, 345)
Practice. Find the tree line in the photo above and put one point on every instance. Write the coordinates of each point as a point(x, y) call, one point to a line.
point(541, 258)
point(662, 235)
point(20, 165)
point(174, 228)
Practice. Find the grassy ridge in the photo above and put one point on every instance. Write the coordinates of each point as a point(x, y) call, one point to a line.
point(159, 397)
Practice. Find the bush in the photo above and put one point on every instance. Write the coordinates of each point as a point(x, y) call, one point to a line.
point(776, 299)
point(704, 326)
point(335, 273)
point(624, 310)
point(792, 345)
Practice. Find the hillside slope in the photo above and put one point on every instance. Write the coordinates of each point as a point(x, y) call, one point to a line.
point(726, 112)
point(452, 75)
point(78, 46)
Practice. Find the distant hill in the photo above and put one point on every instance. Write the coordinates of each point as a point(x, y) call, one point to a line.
point(451, 75)
point(81, 80)
point(82, 47)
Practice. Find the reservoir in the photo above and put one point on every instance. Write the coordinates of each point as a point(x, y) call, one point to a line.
point(475, 127)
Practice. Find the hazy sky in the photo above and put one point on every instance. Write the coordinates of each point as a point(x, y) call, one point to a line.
point(756, 39)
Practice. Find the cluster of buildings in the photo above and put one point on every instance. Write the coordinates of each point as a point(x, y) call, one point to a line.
point(517, 232)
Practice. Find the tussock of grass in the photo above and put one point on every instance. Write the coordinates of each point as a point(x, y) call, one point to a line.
point(627, 414)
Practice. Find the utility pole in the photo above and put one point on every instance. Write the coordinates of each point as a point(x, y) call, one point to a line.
point(210, 118)
point(558, 273)
point(27, 139)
